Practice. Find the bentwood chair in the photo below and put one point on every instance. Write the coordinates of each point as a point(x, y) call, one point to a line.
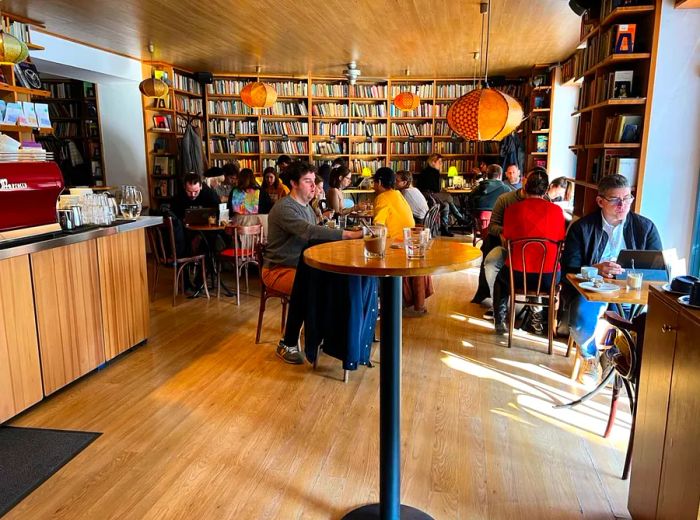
point(266, 293)
point(162, 243)
point(432, 220)
point(242, 254)
point(482, 219)
point(539, 294)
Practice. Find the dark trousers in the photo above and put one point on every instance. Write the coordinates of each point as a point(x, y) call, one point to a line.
point(501, 289)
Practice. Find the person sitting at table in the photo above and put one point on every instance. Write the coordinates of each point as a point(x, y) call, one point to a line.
point(532, 217)
point(195, 194)
point(429, 183)
point(513, 178)
point(484, 197)
point(247, 200)
point(340, 179)
point(291, 226)
point(230, 179)
point(318, 203)
point(283, 162)
point(557, 191)
point(392, 211)
point(414, 197)
point(324, 171)
point(273, 186)
point(596, 240)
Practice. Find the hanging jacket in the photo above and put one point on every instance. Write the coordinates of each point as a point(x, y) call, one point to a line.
point(191, 152)
point(512, 151)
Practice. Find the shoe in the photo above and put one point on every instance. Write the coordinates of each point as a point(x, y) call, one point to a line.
point(289, 353)
point(500, 328)
point(488, 315)
point(410, 312)
point(589, 372)
point(536, 323)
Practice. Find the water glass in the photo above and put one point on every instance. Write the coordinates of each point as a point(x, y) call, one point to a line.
point(342, 221)
point(416, 240)
point(634, 281)
point(130, 201)
point(374, 241)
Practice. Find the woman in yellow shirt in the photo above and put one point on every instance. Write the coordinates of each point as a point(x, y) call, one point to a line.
point(392, 211)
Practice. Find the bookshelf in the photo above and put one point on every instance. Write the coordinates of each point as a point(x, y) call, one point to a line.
point(614, 66)
point(539, 104)
point(165, 120)
point(74, 114)
point(321, 118)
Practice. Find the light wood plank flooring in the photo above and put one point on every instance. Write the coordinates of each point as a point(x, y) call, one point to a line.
point(202, 423)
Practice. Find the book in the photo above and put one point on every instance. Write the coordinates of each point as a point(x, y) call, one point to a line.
point(161, 123)
point(3, 107)
point(624, 38)
point(159, 145)
point(161, 165)
point(27, 75)
point(542, 141)
point(13, 112)
point(42, 115)
point(29, 113)
point(620, 84)
point(627, 167)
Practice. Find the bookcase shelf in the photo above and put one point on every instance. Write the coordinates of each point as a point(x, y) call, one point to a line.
point(625, 13)
point(615, 59)
point(539, 103)
point(612, 103)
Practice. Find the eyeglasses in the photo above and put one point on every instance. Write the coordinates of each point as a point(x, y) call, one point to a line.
point(617, 201)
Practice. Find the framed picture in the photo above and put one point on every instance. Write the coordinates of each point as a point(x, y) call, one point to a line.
point(161, 123)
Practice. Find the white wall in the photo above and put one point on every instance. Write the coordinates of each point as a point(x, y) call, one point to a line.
point(562, 134)
point(119, 102)
point(673, 154)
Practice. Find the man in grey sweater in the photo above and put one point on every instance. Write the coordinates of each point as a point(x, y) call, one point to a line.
point(291, 226)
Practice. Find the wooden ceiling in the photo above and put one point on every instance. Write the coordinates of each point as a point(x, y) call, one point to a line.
point(433, 38)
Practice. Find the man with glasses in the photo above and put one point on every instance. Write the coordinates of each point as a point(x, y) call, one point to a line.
point(596, 240)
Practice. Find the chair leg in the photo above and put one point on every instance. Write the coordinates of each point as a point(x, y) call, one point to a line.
point(238, 282)
point(204, 279)
point(551, 326)
point(511, 321)
point(247, 287)
point(613, 405)
point(261, 312)
point(176, 281)
point(218, 279)
point(156, 266)
point(577, 363)
point(318, 353)
point(630, 443)
point(284, 315)
point(569, 345)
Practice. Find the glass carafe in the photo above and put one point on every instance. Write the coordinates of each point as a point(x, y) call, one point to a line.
point(130, 201)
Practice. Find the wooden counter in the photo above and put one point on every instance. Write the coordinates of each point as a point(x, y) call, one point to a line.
point(664, 481)
point(67, 305)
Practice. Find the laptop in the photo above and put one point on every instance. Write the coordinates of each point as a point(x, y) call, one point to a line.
point(199, 216)
point(649, 262)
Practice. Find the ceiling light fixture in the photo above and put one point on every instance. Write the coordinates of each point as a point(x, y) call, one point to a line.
point(153, 87)
point(485, 114)
point(352, 72)
point(12, 49)
point(259, 94)
point(406, 101)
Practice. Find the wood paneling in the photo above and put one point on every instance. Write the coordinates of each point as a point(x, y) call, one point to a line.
point(431, 37)
point(67, 302)
point(20, 375)
point(124, 290)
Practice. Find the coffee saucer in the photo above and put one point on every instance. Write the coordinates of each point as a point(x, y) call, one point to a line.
point(685, 300)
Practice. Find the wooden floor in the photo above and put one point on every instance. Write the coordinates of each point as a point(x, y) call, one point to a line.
point(202, 423)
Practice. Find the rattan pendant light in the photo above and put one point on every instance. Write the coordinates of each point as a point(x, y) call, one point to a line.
point(153, 87)
point(485, 114)
point(259, 95)
point(12, 49)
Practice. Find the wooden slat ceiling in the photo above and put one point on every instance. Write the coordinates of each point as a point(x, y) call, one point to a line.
point(433, 38)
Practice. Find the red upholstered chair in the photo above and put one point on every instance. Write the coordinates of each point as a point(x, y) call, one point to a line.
point(482, 219)
point(242, 254)
point(266, 292)
point(534, 296)
point(162, 236)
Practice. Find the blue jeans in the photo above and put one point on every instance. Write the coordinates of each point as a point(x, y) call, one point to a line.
point(583, 320)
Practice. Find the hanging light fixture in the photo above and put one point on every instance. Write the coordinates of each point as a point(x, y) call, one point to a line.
point(485, 114)
point(12, 49)
point(406, 101)
point(153, 87)
point(259, 94)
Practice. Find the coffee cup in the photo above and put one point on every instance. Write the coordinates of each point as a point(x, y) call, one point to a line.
point(694, 298)
point(374, 241)
point(589, 272)
point(634, 281)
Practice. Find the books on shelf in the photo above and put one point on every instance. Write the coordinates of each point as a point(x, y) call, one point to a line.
point(13, 114)
point(620, 84)
point(186, 83)
point(423, 110)
point(330, 147)
point(424, 90)
point(542, 143)
point(423, 147)
point(336, 89)
point(369, 148)
point(162, 123)
point(163, 165)
point(369, 109)
point(624, 38)
point(27, 76)
point(623, 128)
point(29, 114)
point(223, 145)
point(329, 110)
point(411, 129)
point(164, 188)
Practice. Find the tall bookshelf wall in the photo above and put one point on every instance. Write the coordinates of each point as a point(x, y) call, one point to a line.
point(613, 116)
point(322, 118)
point(539, 107)
point(165, 120)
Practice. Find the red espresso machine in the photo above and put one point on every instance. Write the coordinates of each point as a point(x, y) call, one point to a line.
point(28, 195)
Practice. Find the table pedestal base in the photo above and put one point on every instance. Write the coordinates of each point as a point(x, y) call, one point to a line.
point(371, 512)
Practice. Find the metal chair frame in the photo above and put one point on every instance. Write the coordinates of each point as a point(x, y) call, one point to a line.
point(265, 293)
point(245, 238)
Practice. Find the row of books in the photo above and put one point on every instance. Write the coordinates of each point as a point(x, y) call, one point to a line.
point(423, 110)
point(25, 113)
point(237, 107)
point(456, 147)
point(222, 145)
point(516, 90)
point(424, 90)
point(411, 147)
point(454, 90)
point(330, 147)
point(163, 165)
point(227, 87)
point(66, 130)
point(285, 127)
point(330, 89)
point(573, 67)
point(618, 39)
point(615, 162)
point(330, 128)
point(291, 146)
point(410, 129)
point(539, 123)
point(329, 110)
point(369, 110)
point(60, 90)
point(182, 82)
point(442, 109)
point(289, 88)
point(188, 105)
point(443, 129)
point(357, 165)
point(232, 126)
point(462, 165)
point(541, 143)
point(369, 148)
point(17, 29)
point(253, 164)
point(623, 128)
point(164, 188)
point(59, 110)
point(370, 129)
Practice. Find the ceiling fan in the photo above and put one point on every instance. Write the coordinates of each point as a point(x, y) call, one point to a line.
point(352, 72)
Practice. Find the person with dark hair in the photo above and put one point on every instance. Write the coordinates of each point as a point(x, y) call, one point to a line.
point(557, 190)
point(229, 171)
point(283, 162)
point(532, 217)
point(324, 171)
point(291, 226)
point(247, 200)
point(415, 199)
point(513, 180)
point(429, 183)
point(338, 162)
point(480, 170)
point(272, 185)
point(340, 179)
point(194, 194)
point(595, 240)
point(487, 192)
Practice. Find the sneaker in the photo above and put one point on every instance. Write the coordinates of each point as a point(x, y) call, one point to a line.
point(589, 372)
point(289, 353)
point(500, 328)
point(488, 315)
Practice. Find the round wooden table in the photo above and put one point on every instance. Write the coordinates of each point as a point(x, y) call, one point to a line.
point(347, 257)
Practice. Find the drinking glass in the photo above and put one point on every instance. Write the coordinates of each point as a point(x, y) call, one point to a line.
point(634, 281)
point(374, 241)
point(416, 240)
point(130, 201)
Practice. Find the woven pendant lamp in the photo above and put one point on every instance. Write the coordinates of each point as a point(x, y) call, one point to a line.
point(259, 95)
point(484, 115)
point(406, 101)
point(12, 50)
